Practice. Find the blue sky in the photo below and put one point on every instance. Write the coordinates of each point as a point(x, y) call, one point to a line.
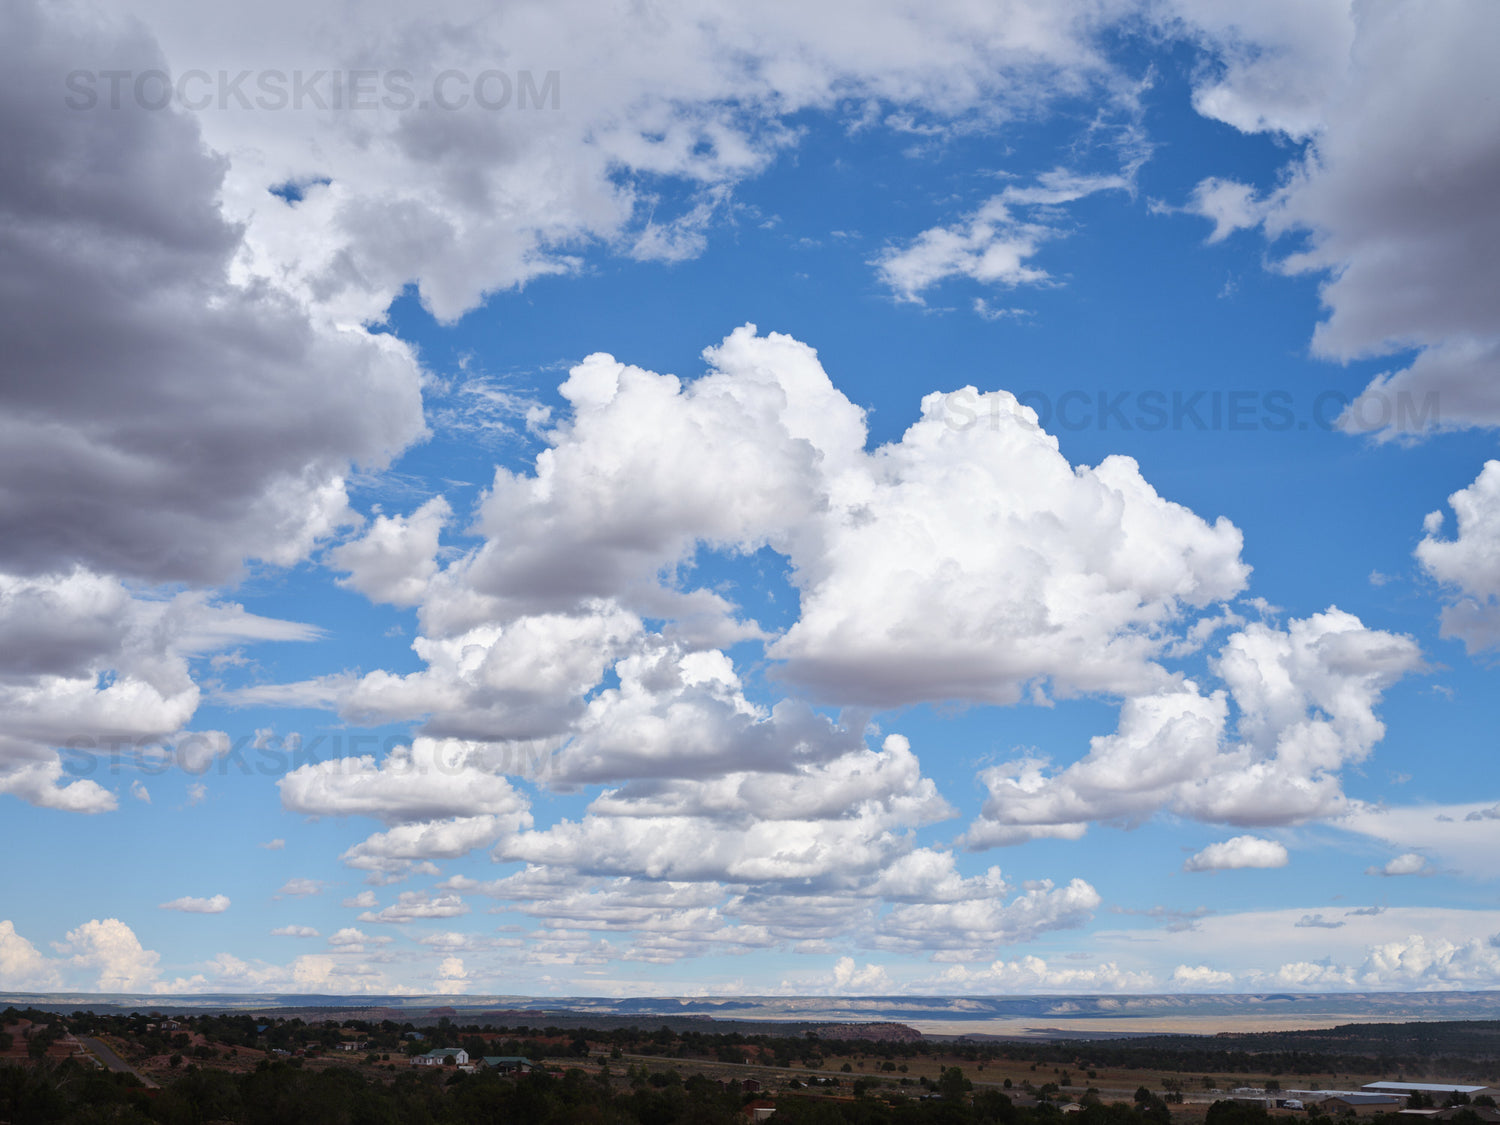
point(982, 503)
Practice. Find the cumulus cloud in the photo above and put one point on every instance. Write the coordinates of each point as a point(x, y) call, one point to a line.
point(1305, 697)
point(1241, 851)
point(414, 906)
point(1408, 259)
point(1469, 564)
point(1229, 205)
point(911, 595)
point(973, 928)
point(1408, 864)
point(217, 904)
point(900, 585)
point(428, 780)
point(108, 950)
point(442, 799)
point(22, 965)
point(92, 665)
point(295, 931)
point(836, 821)
point(1195, 977)
point(395, 557)
point(850, 978)
point(1416, 962)
point(1031, 974)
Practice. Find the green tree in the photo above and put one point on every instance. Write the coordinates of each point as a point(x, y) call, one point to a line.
point(952, 1084)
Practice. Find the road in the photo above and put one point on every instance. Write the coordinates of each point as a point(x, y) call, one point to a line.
point(105, 1054)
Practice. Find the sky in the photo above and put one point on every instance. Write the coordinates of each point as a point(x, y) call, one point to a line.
point(591, 499)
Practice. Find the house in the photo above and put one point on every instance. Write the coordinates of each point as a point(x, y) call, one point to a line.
point(441, 1056)
point(508, 1064)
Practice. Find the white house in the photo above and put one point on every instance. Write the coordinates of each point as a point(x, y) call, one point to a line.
point(441, 1056)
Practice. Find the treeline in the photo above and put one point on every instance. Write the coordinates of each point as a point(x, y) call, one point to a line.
point(287, 1094)
point(1454, 1050)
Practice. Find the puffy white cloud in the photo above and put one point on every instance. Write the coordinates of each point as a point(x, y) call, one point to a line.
point(519, 682)
point(1417, 962)
point(1238, 852)
point(350, 939)
point(836, 821)
point(680, 714)
point(1409, 258)
point(647, 467)
point(972, 561)
point(22, 965)
point(1409, 863)
point(1195, 977)
point(395, 557)
point(295, 931)
point(1469, 563)
point(428, 780)
point(92, 666)
point(667, 920)
point(908, 591)
point(451, 976)
point(442, 799)
point(972, 928)
point(850, 978)
point(398, 849)
point(188, 904)
point(1030, 974)
point(109, 948)
point(1231, 206)
point(1305, 698)
point(414, 906)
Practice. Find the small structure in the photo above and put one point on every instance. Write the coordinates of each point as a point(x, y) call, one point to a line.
point(441, 1056)
point(509, 1064)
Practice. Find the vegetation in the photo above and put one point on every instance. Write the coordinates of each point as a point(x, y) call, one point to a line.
point(253, 1069)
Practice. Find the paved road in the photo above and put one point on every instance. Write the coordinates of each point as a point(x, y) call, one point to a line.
point(106, 1055)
